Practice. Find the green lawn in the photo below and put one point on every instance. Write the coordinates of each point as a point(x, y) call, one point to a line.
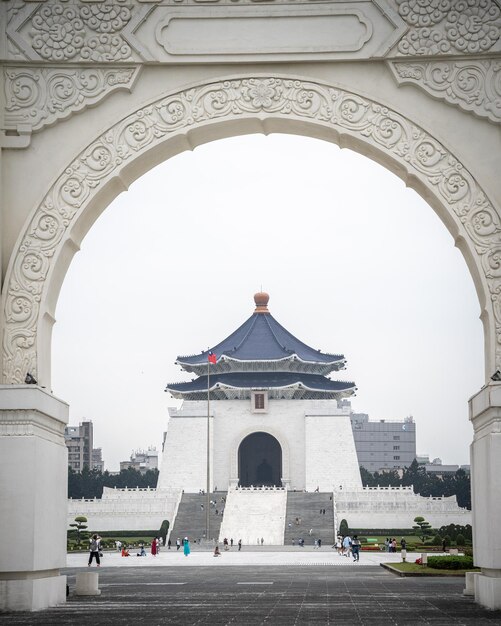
point(411, 568)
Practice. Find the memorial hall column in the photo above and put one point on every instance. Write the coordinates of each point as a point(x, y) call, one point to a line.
point(485, 451)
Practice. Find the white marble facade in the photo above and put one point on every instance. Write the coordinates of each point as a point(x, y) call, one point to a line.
point(315, 437)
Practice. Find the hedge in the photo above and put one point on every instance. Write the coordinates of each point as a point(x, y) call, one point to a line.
point(387, 532)
point(450, 562)
point(127, 533)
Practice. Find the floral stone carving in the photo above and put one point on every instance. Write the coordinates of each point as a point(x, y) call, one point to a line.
point(449, 26)
point(40, 97)
point(61, 32)
point(272, 97)
point(472, 85)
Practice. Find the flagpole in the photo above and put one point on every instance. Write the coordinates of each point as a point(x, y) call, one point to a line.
point(207, 505)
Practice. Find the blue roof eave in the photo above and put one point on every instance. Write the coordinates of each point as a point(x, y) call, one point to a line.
point(294, 356)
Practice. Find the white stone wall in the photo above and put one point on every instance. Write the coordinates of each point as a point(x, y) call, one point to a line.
point(396, 508)
point(184, 460)
point(327, 451)
point(127, 509)
point(330, 454)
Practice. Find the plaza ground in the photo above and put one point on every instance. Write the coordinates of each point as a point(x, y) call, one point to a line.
point(257, 587)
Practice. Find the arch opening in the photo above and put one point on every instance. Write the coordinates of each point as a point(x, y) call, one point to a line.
point(260, 461)
point(189, 118)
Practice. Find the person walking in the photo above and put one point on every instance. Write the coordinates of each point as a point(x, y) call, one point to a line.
point(95, 546)
point(319, 543)
point(347, 546)
point(239, 545)
point(178, 543)
point(186, 547)
point(154, 547)
point(355, 548)
point(169, 543)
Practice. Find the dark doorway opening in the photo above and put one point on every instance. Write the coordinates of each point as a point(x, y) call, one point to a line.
point(260, 461)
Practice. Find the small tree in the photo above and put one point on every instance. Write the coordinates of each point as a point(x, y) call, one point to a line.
point(164, 529)
point(343, 528)
point(78, 529)
point(460, 540)
point(422, 528)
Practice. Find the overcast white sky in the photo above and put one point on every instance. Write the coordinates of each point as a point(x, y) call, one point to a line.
point(354, 263)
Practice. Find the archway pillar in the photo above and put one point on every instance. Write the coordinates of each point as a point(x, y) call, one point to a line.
point(33, 493)
point(485, 452)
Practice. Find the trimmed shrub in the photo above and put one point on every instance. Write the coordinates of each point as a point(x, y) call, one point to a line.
point(343, 528)
point(436, 541)
point(460, 540)
point(164, 529)
point(450, 562)
point(127, 533)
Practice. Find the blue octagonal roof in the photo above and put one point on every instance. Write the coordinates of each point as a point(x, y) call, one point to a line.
point(262, 338)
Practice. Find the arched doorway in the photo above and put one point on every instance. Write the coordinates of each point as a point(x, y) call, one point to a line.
point(260, 461)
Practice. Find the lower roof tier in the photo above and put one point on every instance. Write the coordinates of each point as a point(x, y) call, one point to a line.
point(279, 385)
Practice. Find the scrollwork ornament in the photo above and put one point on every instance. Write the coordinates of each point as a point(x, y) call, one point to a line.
point(472, 85)
point(92, 32)
point(58, 32)
point(473, 25)
point(42, 96)
point(492, 262)
point(423, 12)
point(256, 98)
point(105, 17)
point(449, 26)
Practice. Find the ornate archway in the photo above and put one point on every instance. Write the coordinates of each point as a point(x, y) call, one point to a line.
point(413, 85)
point(219, 109)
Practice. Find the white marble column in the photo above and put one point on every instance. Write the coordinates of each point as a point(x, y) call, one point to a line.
point(485, 415)
point(33, 498)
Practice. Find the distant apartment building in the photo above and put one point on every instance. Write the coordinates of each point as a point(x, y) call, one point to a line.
point(142, 460)
point(384, 444)
point(97, 459)
point(437, 468)
point(79, 441)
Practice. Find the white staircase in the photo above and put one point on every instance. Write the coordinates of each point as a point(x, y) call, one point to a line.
point(251, 514)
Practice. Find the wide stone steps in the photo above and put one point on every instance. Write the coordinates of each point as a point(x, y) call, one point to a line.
point(307, 507)
point(190, 520)
point(253, 515)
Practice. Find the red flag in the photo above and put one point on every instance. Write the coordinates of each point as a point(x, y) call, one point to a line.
point(212, 358)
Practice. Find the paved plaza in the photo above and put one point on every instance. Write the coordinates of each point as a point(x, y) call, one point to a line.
point(288, 588)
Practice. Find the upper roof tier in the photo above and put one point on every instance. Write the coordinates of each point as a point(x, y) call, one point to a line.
point(262, 344)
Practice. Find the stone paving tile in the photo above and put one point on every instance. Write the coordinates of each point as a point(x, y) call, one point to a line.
point(299, 596)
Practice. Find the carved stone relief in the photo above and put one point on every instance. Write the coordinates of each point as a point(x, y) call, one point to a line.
point(71, 31)
point(471, 85)
point(124, 30)
point(449, 26)
point(38, 97)
point(270, 97)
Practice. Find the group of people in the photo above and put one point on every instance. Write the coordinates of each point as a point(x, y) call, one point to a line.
point(227, 545)
point(390, 544)
point(348, 546)
point(300, 542)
